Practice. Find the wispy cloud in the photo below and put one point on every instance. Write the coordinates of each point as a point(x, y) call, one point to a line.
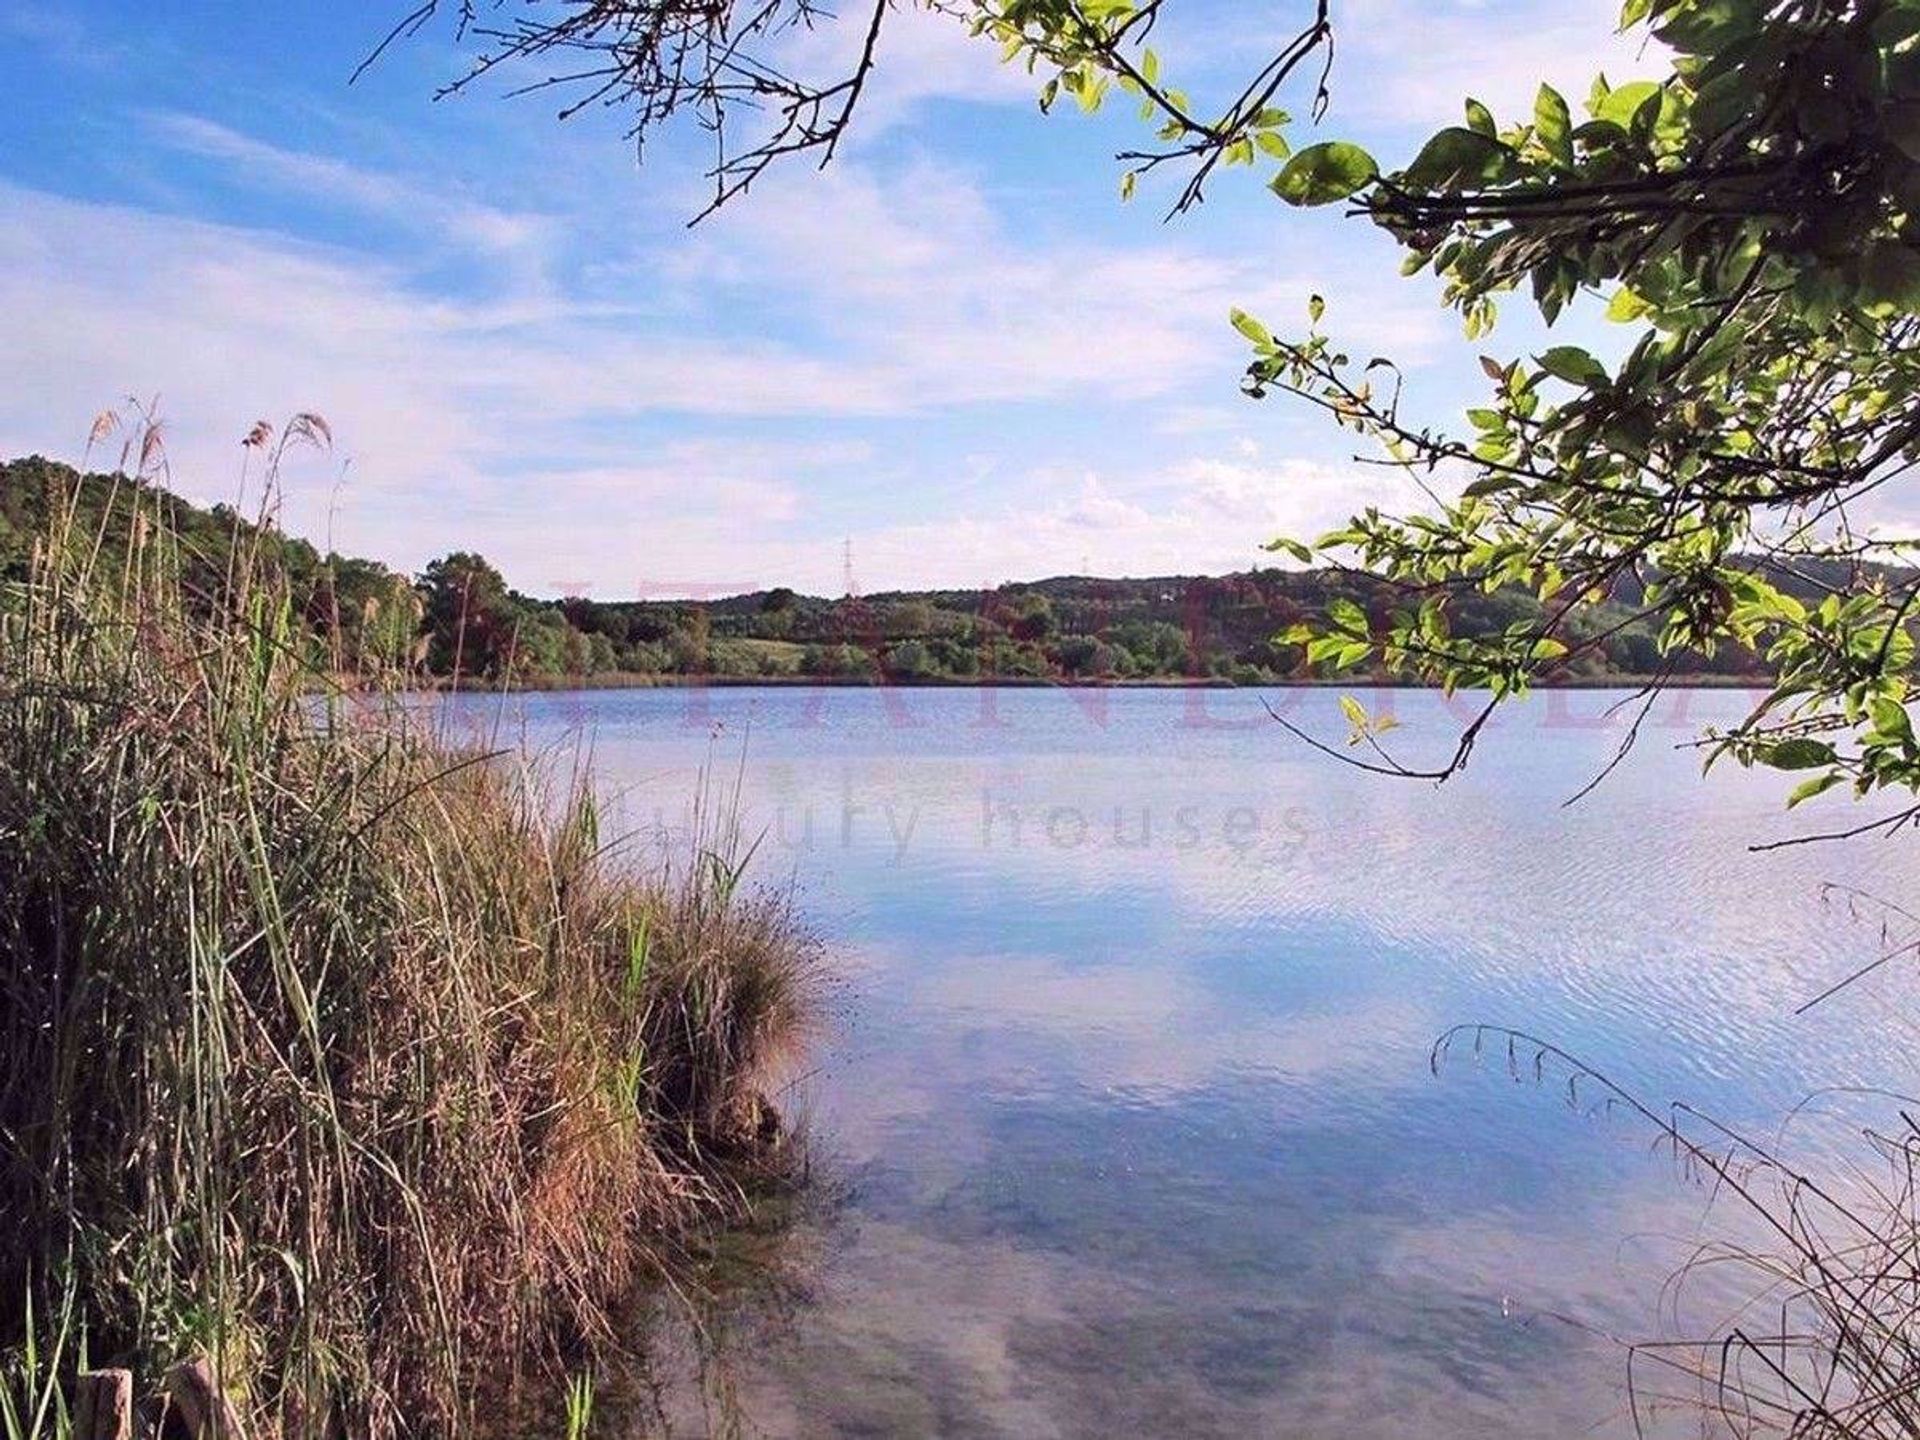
point(1206, 513)
point(924, 56)
point(60, 36)
point(945, 356)
point(1412, 63)
point(918, 263)
point(406, 201)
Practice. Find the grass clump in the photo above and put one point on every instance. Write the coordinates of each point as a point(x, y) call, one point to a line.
point(342, 1055)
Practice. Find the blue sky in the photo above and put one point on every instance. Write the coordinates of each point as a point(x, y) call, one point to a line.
point(955, 348)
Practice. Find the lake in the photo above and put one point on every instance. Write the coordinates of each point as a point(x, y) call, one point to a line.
point(1124, 1098)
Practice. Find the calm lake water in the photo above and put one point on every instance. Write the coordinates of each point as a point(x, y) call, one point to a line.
point(1125, 1097)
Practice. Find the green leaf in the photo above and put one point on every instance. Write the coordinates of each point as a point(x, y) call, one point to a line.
point(1251, 328)
point(1348, 616)
point(1273, 144)
point(1625, 306)
point(1490, 484)
point(1355, 712)
point(1573, 365)
point(1281, 544)
point(1623, 104)
point(1890, 718)
point(1553, 124)
point(1480, 119)
point(1796, 755)
point(1324, 173)
point(1818, 785)
point(1456, 158)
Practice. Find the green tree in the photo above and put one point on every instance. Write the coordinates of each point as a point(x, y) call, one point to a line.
point(1158, 647)
point(957, 657)
point(541, 643)
point(910, 660)
point(1084, 655)
point(1030, 617)
point(835, 661)
point(470, 618)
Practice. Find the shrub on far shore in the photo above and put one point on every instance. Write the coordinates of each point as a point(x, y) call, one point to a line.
point(344, 1056)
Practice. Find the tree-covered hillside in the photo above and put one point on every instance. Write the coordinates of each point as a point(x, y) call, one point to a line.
point(461, 618)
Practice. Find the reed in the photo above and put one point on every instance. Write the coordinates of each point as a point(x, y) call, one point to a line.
point(1815, 1271)
point(344, 1054)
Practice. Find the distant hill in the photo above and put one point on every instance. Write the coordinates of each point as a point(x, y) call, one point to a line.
point(461, 617)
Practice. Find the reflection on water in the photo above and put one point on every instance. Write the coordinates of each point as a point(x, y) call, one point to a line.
point(1128, 1081)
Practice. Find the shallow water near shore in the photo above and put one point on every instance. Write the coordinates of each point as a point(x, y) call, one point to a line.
point(1125, 1097)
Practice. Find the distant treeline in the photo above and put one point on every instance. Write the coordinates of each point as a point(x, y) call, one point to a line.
point(460, 618)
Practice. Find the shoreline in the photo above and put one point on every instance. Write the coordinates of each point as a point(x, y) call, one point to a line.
point(577, 684)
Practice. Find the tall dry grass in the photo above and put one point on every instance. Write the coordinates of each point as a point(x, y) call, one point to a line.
point(330, 1049)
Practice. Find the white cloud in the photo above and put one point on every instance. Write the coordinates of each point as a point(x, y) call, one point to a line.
point(1414, 62)
point(923, 56)
point(1202, 515)
point(408, 201)
point(65, 38)
point(436, 401)
point(507, 427)
point(588, 425)
point(919, 258)
point(1094, 508)
point(1194, 419)
point(919, 265)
